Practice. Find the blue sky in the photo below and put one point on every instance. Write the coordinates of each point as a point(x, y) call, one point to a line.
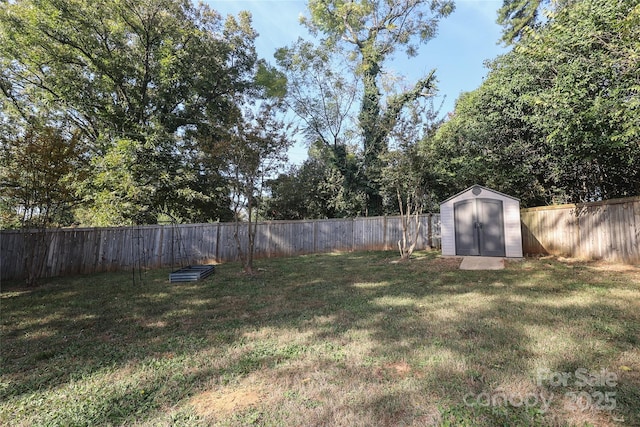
point(465, 39)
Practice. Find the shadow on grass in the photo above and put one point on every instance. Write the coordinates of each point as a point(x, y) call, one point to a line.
point(450, 335)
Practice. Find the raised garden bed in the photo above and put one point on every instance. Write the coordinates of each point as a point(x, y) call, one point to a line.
point(192, 273)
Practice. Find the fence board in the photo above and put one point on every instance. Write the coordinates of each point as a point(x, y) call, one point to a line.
point(394, 232)
point(368, 233)
point(608, 230)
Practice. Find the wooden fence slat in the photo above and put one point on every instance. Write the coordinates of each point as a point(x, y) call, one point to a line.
point(635, 233)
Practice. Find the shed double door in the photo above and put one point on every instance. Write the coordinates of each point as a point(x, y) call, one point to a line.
point(479, 227)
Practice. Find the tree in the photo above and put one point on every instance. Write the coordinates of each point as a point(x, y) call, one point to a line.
point(373, 31)
point(519, 16)
point(401, 177)
point(586, 108)
point(37, 187)
point(288, 195)
point(151, 84)
point(490, 140)
point(257, 149)
point(555, 119)
point(36, 176)
point(405, 184)
point(516, 16)
point(317, 188)
point(321, 91)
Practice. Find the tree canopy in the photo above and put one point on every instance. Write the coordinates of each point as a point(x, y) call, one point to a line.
point(556, 119)
point(371, 31)
point(148, 86)
point(127, 112)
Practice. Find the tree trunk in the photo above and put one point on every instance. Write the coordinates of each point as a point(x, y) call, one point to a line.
point(373, 135)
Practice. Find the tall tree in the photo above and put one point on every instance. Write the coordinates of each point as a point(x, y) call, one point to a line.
point(372, 31)
point(519, 16)
point(490, 140)
point(150, 83)
point(587, 109)
point(322, 89)
point(556, 119)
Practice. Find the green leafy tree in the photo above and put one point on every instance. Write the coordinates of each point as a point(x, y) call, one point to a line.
point(37, 187)
point(321, 90)
point(288, 195)
point(257, 149)
point(405, 183)
point(587, 108)
point(490, 140)
point(37, 176)
point(555, 119)
point(372, 32)
point(149, 83)
point(519, 16)
point(317, 189)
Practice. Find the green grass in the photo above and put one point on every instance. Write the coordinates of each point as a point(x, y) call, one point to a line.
point(339, 339)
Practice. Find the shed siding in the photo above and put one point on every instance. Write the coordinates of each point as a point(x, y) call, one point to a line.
point(447, 231)
point(512, 230)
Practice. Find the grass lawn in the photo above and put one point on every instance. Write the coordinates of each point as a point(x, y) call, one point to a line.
point(340, 339)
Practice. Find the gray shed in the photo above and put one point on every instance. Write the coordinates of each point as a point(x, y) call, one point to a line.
point(483, 222)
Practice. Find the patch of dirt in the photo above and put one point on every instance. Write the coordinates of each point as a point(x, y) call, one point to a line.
point(156, 324)
point(397, 369)
point(401, 369)
point(222, 403)
point(438, 264)
point(622, 268)
point(571, 414)
point(598, 265)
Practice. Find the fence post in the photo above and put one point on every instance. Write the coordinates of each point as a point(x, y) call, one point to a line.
point(160, 246)
point(430, 230)
point(217, 253)
point(353, 234)
point(384, 233)
point(269, 246)
point(315, 236)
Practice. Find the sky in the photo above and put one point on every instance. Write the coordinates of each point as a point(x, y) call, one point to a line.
point(465, 40)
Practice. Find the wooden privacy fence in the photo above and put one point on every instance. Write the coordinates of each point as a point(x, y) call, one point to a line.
point(70, 251)
point(608, 230)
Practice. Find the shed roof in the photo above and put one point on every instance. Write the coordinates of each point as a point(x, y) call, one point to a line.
point(480, 186)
